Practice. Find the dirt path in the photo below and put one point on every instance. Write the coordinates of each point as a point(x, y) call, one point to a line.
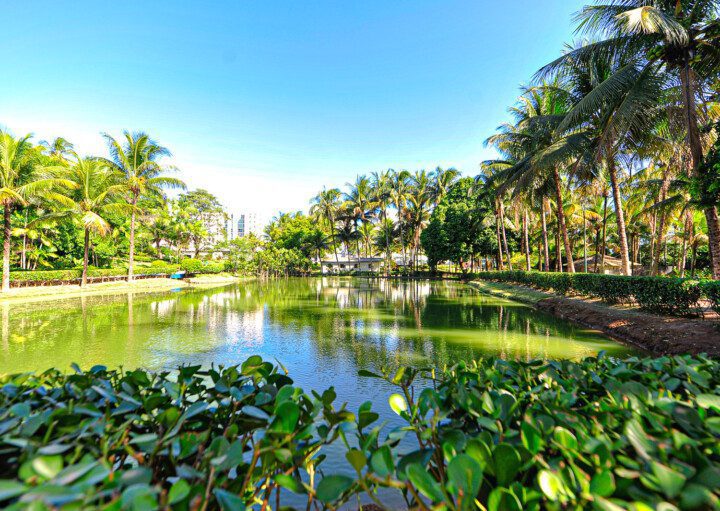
point(657, 334)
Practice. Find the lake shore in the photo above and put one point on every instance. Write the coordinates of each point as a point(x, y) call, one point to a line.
point(48, 293)
point(662, 335)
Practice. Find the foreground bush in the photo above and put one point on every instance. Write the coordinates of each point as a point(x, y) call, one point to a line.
point(662, 295)
point(636, 434)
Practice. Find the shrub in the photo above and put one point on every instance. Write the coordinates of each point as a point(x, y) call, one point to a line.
point(662, 295)
point(197, 266)
point(711, 290)
point(603, 433)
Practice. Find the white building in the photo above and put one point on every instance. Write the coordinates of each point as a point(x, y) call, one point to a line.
point(248, 223)
point(364, 264)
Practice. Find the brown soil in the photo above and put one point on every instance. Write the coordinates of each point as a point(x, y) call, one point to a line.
point(658, 334)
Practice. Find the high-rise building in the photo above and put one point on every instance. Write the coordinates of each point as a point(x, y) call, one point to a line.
point(249, 223)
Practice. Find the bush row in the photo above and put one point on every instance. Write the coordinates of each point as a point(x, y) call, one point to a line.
point(603, 433)
point(197, 266)
point(662, 295)
point(156, 268)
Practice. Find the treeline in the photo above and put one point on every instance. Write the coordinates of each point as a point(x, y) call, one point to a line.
point(611, 160)
point(64, 212)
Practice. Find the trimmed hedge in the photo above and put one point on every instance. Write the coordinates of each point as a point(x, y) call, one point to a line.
point(76, 273)
point(197, 266)
point(662, 295)
point(605, 434)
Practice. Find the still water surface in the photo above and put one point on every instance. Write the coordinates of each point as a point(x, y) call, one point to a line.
point(322, 330)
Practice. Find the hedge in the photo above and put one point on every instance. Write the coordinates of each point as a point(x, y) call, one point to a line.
point(76, 273)
point(603, 433)
point(197, 266)
point(663, 295)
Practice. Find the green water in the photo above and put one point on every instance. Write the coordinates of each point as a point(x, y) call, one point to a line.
point(321, 329)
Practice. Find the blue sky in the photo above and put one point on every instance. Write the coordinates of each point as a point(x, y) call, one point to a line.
point(264, 102)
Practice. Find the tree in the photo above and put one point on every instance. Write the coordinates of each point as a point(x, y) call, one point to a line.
point(205, 213)
point(327, 204)
point(679, 38)
point(95, 191)
point(21, 178)
point(138, 159)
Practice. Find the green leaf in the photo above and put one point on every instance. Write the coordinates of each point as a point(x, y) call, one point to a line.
point(228, 501)
point(507, 462)
point(178, 491)
point(397, 403)
point(368, 374)
point(464, 475)
point(47, 466)
point(551, 485)
point(10, 489)
point(708, 401)
point(531, 437)
point(424, 482)
point(332, 487)
point(381, 461)
point(565, 438)
point(287, 415)
point(602, 484)
point(671, 481)
point(290, 483)
point(357, 459)
point(502, 499)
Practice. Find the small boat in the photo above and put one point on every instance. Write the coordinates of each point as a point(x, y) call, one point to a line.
point(179, 275)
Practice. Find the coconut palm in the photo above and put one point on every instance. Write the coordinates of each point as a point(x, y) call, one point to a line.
point(360, 203)
point(96, 191)
point(399, 197)
point(137, 158)
point(22, 177)
point(327, 204)
point(678, 38)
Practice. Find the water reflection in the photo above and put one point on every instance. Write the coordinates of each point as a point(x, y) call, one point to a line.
point(315, 325)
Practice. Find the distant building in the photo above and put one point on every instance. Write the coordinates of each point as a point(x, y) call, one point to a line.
point(364, 264)
point(249, 223)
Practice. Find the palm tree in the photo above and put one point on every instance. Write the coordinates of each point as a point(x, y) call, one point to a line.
point(59, 149)
point(137, 158)
point(327, 203)
point(441, 181)
point(360, 203)
point(21, 178)
point(678, 38)
point(95, 191)
point(399, 196)
point(382, 191)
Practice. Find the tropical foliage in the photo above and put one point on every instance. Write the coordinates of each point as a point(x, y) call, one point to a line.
point(491, 434)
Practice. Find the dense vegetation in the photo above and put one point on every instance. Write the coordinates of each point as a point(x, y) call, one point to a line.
point(655, 294)
point(602, 433)
point(611, 158)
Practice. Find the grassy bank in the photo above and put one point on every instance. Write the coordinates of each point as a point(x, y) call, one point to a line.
point(47, 293)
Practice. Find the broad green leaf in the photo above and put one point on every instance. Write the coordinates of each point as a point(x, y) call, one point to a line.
point(550, 484)
point(424, 482)
point(178, 491)
point(287, 415)
point(397, 403)
point(290, 483)
point(10, 489)
point(507, 462)
point(332, 487)
point(381, 461)
point(708, 401)
point(357, 459)
point(602, 484)
point(228, 501)
point(464, 474)
point(671, 481)
point(47, 466)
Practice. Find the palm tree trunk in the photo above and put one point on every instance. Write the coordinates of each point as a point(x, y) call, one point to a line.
point(561, 222)
point(604, 234)
point(686, 232)
point(501, 264)
point(696, 156)
point(654, 268)
point(6, 250)
point(83, 281)
point(526, 239)
point(131, 255)
point(619, 217)
point(501, 208)
point(585, 264)
point(546, 244)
